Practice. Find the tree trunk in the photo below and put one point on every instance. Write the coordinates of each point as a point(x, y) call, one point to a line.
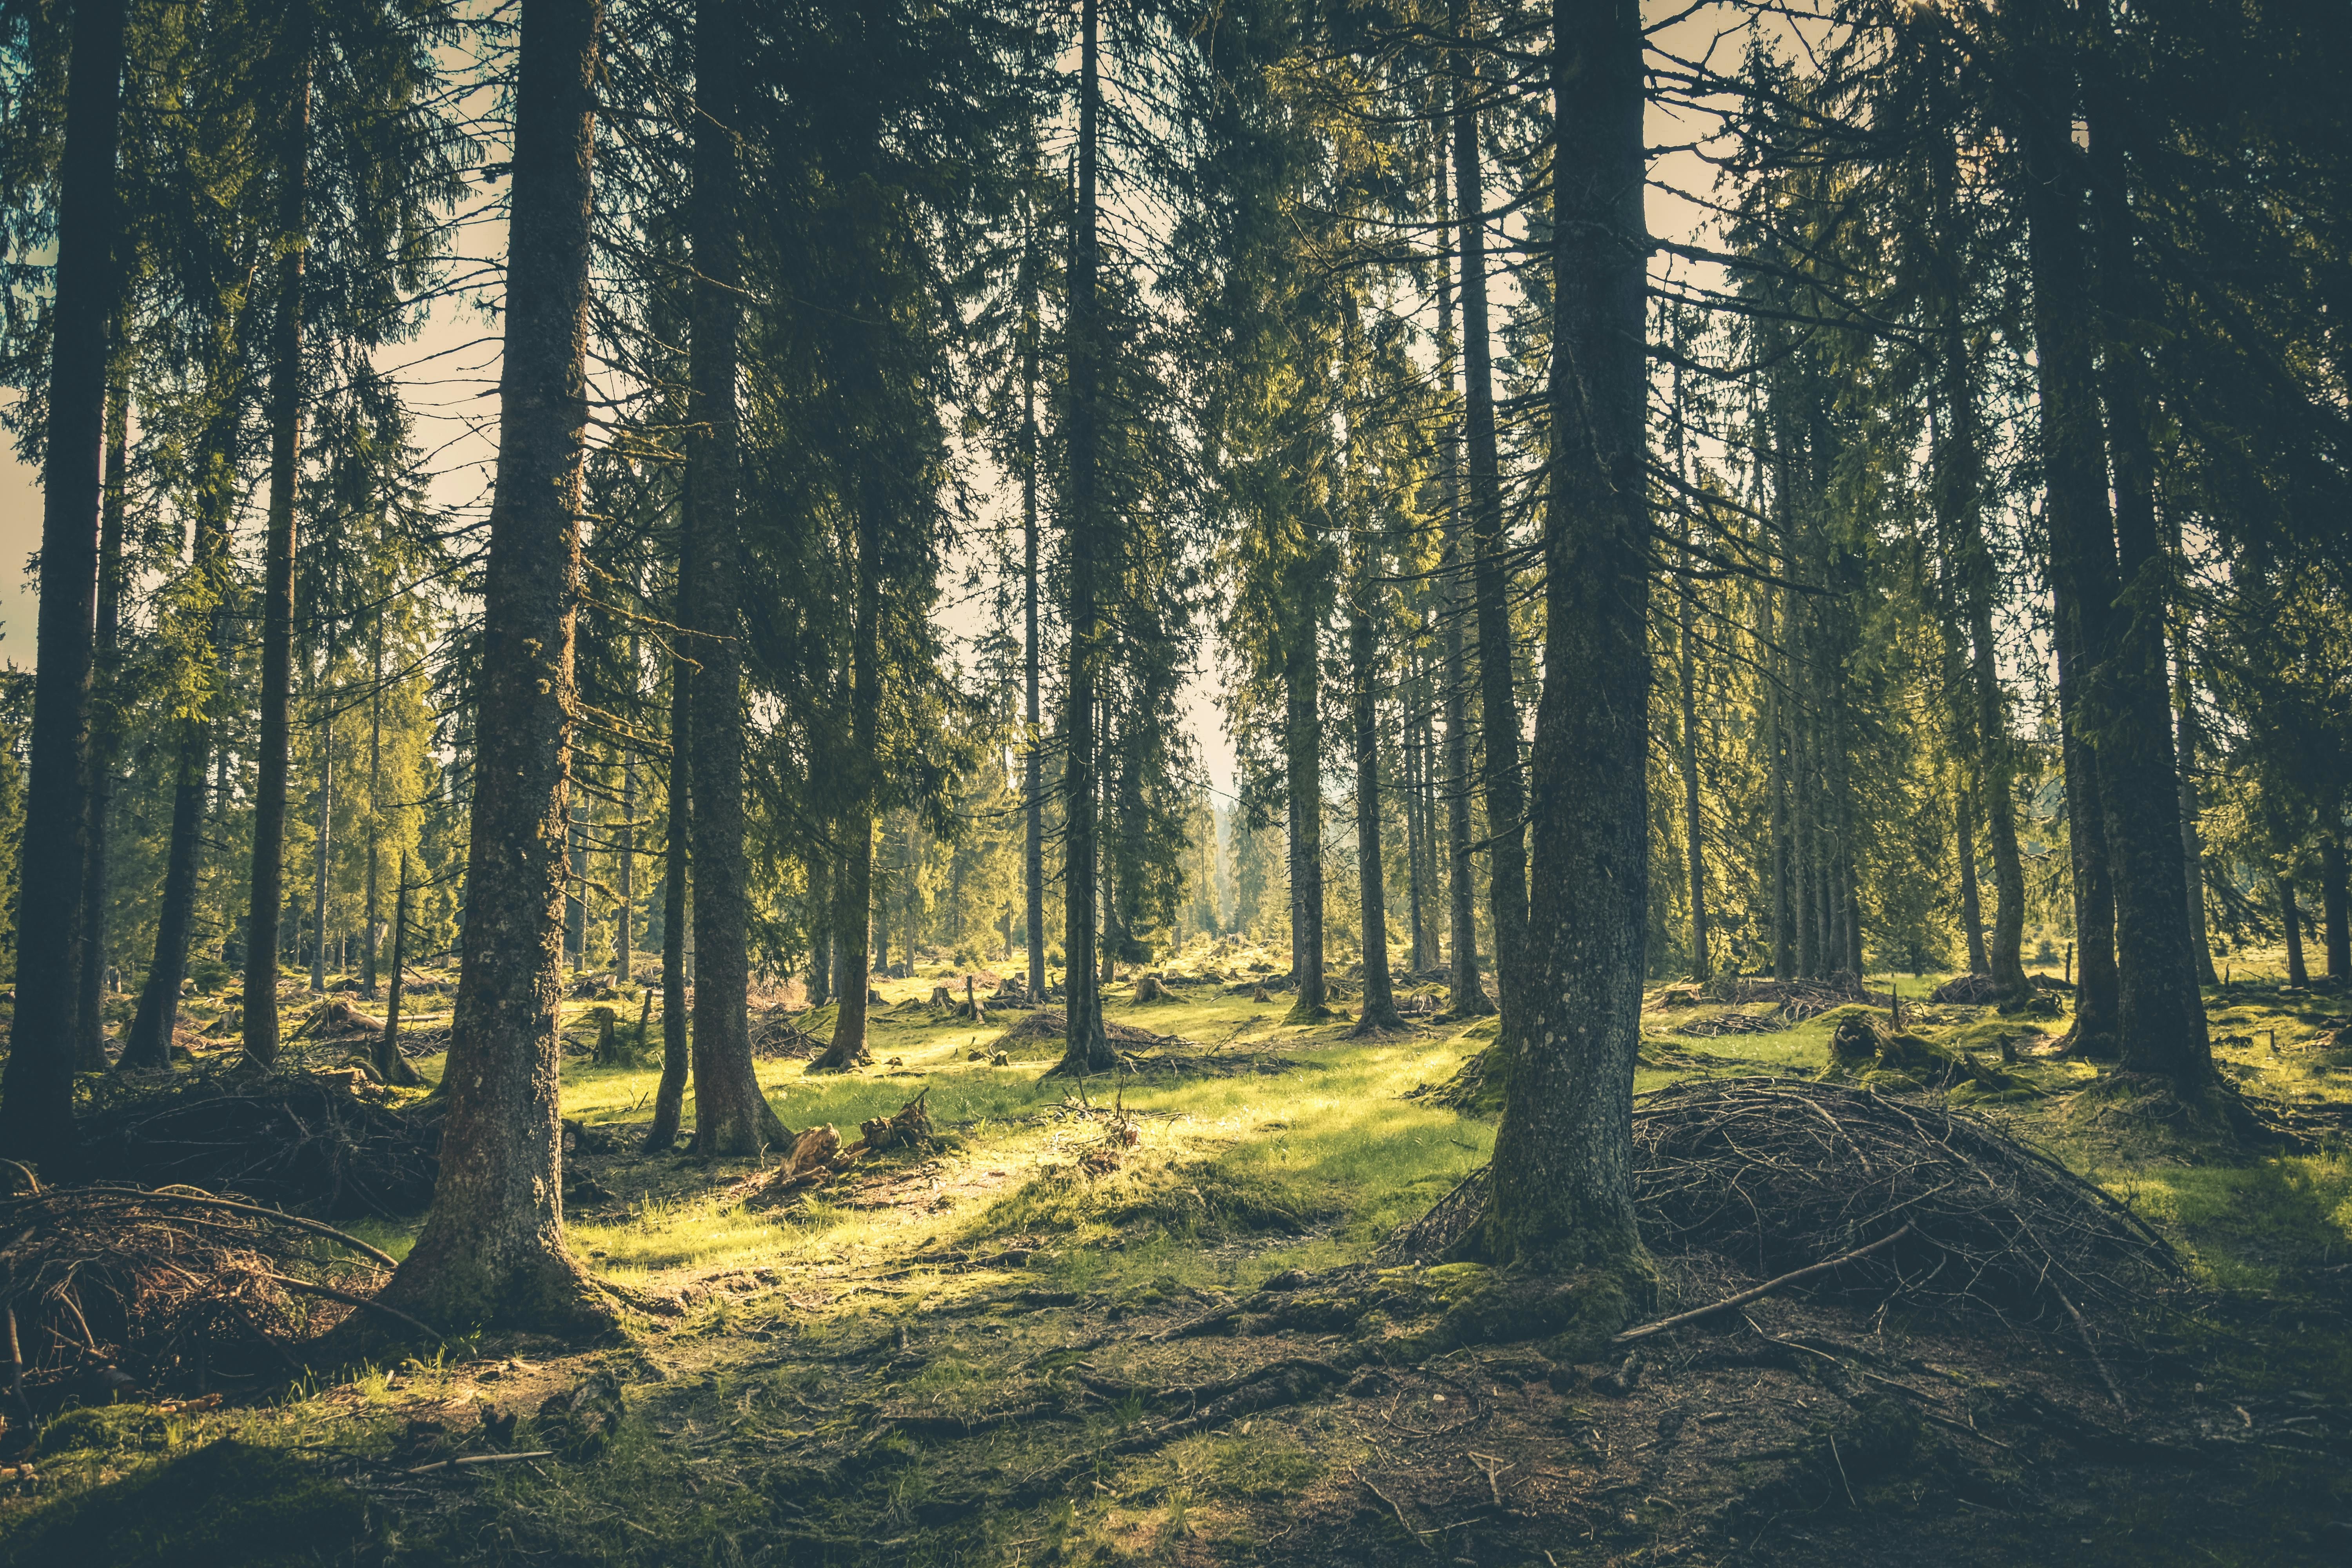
point(1694, 821)
point(1303, 774)
point(669, 1090)
point(2332, 898)
point(2096, 988)
point(1379, 1012)
point(2113, 569)
point(492, 1251)
point(148, 1044)
point(36, 1091)
point(819, 905)
point(319, 849)
point(624, 932)
point(106, 731)
point(1469, 997)
point(390, 1065)
point(1409, 755)
point(1781, 850)
point(1971, 907)
point(1088, 1048)
point(2297, 975)
point(368, 977)
point(731, 1116)
point(1498, 708)
point(1033, 813)
point(2192, 847)
point(286, 403)
point(856, 908)
point(1562, 1196)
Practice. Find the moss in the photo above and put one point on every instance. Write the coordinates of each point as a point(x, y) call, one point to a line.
point(228, 1504)
point(1574, 1317)
point(1187, 1198)
point(108, 1429)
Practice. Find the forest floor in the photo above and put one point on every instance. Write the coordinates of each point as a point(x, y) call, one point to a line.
point(991, 1352)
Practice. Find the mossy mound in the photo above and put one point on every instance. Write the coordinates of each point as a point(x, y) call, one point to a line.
point(1178, 1197)
point(226, 1505)
point(1867, 1050)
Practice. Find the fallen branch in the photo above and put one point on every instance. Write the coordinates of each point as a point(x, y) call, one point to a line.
point(297, 1221)
point(345, 1297)
point(480, 1460)
point(1743, 1297)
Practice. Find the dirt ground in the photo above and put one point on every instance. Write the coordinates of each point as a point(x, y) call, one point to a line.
point(1161, 1330)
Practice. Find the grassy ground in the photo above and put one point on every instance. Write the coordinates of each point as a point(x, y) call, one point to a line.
point(975, 1355)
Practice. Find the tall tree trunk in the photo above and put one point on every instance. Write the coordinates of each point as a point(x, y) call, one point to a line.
point(854, 907)
point(1469, 996)
point(1032, 761)
point(2097, 1001)
point(2113, 568)
point(2291, 916)
point(1782, 849)
point(492, 1251)
point(1303, 776)
point(575, 913)
point(731, 1116)
point(1694, 820)
point(390, 1065)
point(368, 977)
point(624, 932)
point(2332, 897)
point(36, 1086)
point(1088, 1047)
point(1498, 708)
point(1562, 1196)
point(1408, 753)
point(105, 728)
point(286, 403)
point(669, 1090)
point(148, 1044)
point(321, 846)
point(1971, 907)
point(2192, 847)
point(1379, 1011)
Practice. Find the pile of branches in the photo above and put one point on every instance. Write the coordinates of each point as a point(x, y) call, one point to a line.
point(105, 1290)
point(776, 1038)
point(1719, 1024)
point(1775, 1174)
point(1797, 999)
point(297, 1139)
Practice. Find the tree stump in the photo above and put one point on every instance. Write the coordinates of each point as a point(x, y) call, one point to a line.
point(609, 1053)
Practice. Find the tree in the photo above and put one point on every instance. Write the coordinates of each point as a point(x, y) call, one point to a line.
point(36, 1089)
point(1562, 1195)
point(492, 1250)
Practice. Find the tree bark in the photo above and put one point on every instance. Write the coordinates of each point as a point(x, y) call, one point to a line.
point(2332, 898)
point(1379, 1012)
point(1088, 1046)
point(624, 932)
point(390, 1065)
point(1971, 906)
point(1563, 1154)
point(320, 845)
point(2192, 847)
point(492, 1251)
point(2097, 987)
point(1694, 820)
point(1033, 761)
point(1469, 996)
point(2112, 563)
point(1303, 776)
point(147, 1047)
point(1776, 740)
point(106, 729)
point(286, 403)
point(1498, 708)
point(731, 1116)
point(2297, 975)
point(669, 1090)
point(856, 907)
point(37, 1088)
point(368, 977)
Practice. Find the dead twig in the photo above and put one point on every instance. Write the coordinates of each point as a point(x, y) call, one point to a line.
point(1743, 1297)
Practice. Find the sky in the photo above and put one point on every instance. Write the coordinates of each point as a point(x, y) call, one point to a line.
point(449, 369)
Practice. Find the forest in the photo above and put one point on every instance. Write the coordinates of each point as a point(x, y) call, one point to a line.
point(1128, 781)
